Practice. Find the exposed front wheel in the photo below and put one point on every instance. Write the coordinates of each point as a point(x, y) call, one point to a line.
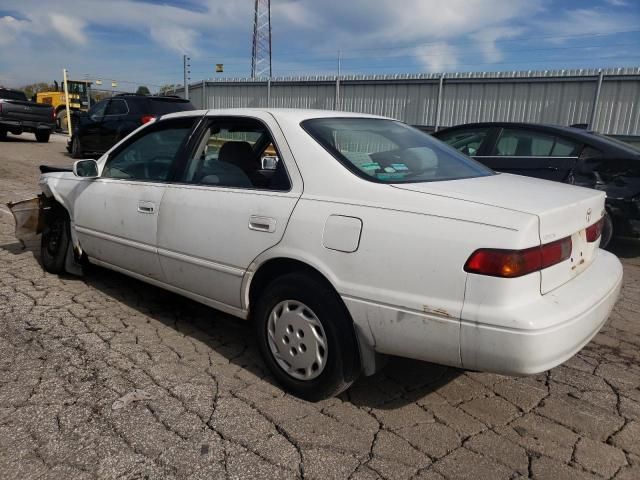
point(55, 241)
point(306, 337)
point(43, 137)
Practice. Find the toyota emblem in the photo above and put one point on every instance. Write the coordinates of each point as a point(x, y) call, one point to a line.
point(589, 216)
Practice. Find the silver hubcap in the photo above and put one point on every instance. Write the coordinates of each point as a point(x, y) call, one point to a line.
point(297, 340)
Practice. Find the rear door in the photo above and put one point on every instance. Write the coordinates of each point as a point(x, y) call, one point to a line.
point(532, 153)
point(222, 212)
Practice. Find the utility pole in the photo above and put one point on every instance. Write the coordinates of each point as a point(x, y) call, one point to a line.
point(337, 102)
point(187, 75)
point(65, 79)
point(261, 48)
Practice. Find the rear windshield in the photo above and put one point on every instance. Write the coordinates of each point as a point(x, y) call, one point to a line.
point(160, 106)
point(12, 95)
point(388, 151)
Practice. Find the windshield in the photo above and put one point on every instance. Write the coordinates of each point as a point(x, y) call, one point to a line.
point(388, 151)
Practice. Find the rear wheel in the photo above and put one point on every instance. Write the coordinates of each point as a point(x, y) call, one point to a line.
point(76, 147)
point(55, 241)
point(43, 137)
point(61, 120)
point(306, 337)
point(607, 231)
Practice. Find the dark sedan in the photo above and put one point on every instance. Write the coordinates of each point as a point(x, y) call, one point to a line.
point(562, 154)
point(110, 120)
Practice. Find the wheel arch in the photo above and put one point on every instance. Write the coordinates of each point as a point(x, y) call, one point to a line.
point(272, 268)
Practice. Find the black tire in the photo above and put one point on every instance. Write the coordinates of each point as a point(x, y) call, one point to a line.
point(61, 120)
point(342, 356)
point(3, 135)
point(42, 137)
point(55, 240)
point(76, 147)
point(607, 231)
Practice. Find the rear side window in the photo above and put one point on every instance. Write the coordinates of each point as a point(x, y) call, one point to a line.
point(12, 95)
point(466, 141)
point(388, 151)
point(526, 143)
point(161, 106)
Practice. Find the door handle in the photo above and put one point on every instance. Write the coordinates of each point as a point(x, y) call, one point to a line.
point(146, 207)
point(262, 224)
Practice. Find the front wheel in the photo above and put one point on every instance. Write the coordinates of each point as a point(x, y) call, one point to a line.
point(76, 147)
point(61, 120)
point(42, 137)
point(306, 337)
point(607, 231)
point(55, 241)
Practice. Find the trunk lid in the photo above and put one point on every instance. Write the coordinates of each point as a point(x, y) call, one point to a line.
point(562, 211)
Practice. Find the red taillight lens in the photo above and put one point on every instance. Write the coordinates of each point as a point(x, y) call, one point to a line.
point(516, 263)
point(594, 231)
point(147, 118)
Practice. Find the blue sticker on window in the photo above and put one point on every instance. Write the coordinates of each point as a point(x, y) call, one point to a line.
point(399, 166)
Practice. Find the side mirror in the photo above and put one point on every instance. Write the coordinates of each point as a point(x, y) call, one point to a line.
point(85, 168)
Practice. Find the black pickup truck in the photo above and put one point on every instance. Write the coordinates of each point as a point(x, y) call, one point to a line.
point(18, 115)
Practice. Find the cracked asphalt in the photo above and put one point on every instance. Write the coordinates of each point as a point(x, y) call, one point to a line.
point(70, 347)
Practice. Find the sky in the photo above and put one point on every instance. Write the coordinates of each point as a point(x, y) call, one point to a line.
point(141, 42)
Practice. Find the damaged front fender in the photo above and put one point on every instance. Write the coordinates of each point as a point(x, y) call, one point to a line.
point(29, 217)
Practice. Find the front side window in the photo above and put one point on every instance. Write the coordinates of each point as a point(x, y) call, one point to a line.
point(150, 156)
point(389, 151)
point(97, 111)
point(465, 141)
point(238, 154)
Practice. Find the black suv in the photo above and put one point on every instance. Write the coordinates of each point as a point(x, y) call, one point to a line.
point(110, 120)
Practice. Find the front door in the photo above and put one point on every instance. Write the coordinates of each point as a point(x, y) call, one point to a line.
point(116, 215)
point(225, 209)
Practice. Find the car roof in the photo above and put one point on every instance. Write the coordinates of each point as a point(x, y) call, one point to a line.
point(293, 114)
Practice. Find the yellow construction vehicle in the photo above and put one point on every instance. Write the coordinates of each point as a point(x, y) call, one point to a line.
point(79, 91)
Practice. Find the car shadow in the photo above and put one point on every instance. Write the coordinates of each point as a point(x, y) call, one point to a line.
point(625, 247)
point(400, 381)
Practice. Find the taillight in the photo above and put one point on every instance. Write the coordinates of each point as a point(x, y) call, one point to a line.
point(594, 231)
point(147, 118)
point(497, 262)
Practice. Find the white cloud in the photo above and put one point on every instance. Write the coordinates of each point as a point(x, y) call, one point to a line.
point(10, 29)
point(69, 27)
point(585, 21)
point(618, 3)
point(486, 41)
point(437, 57)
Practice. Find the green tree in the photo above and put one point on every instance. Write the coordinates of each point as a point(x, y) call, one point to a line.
point(142, 90)
point(33, 88)
point(168, 89)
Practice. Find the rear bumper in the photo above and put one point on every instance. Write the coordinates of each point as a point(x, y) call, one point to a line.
point(25, 126)
point(572, 313)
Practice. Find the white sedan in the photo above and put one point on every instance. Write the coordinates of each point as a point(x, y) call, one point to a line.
point(342, 237)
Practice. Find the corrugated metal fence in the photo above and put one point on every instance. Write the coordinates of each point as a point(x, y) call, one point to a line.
point(563, 97)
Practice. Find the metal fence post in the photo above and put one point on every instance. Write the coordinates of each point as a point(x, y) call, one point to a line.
point(269, 92)
point(204, 98)
point(337, 102)
point(596, 99)
point(439, 103)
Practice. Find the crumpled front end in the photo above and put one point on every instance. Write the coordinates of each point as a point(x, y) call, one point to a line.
point(29, 217)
